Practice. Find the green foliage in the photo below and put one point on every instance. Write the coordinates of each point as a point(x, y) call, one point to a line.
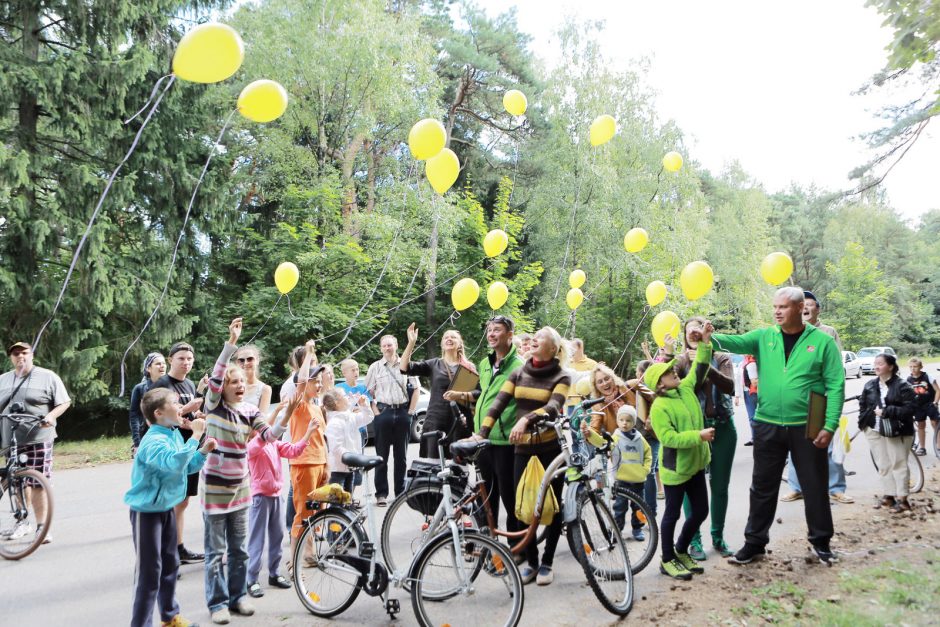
point(861, 300)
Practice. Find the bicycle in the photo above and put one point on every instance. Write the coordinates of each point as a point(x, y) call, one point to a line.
point(455, 573)
point(23, 491)
point(592, 533)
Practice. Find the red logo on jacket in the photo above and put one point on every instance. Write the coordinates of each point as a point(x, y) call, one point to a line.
point(810, 349)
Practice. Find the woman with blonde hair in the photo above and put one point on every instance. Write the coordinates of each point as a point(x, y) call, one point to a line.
point(441, 372)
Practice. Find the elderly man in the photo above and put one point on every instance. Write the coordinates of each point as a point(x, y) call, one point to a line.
point(41, 393)
point(794, 359)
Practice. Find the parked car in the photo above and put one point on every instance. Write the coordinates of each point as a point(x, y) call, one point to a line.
point(852, 364)
point(867, 357)
point(421, 410)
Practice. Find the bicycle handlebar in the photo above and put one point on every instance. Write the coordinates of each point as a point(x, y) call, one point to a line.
point(22, 418)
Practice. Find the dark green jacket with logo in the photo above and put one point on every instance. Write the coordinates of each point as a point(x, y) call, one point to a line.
point(490, 384)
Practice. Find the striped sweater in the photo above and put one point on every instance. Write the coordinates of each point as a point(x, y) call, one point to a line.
point(225, 473)
point(539, 391)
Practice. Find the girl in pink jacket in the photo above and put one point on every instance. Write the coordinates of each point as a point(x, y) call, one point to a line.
point(265, 517)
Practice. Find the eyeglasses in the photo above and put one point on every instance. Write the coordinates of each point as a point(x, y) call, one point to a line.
point(249, 359)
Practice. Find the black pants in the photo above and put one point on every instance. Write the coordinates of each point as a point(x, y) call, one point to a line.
point(554, 529)
point(697, 492)
point(157, 564)
point(496, 465)
point(392, 432)
point(771, 446)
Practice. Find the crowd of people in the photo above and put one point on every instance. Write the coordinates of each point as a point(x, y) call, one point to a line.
point(672, 426)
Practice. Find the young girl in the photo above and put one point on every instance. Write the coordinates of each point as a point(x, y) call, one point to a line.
point(227, 493)
point(342, 432)
point(677, 419)
point(927, 392)
point(264, 462)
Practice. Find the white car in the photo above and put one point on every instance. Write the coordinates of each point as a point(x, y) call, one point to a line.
point(853, 367)
point(867, 357)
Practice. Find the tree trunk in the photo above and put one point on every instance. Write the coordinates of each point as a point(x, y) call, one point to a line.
point(28, 122)
point(348, 165)
point(373, 157)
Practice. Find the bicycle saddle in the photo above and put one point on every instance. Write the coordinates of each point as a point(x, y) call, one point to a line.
point(468, 449)
point(367, 462)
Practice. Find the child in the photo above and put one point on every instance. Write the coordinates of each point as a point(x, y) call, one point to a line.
point(677, 419)
point(342, 432)
point(264, 465)
point(227, 493)
point(632, 460)
point(354, 390)
point(158, 484)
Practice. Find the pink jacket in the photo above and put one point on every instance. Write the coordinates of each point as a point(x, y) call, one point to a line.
point(264, 464)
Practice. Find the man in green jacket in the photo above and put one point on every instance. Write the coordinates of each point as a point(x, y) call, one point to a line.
point(793, 360)
point(496, 462)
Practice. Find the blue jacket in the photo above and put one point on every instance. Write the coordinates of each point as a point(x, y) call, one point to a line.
point(158, 476)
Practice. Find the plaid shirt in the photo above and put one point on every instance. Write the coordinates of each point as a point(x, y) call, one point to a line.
point(386, 383)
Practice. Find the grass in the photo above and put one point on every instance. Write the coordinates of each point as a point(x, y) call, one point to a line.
point(891, 593)
point(92, 452)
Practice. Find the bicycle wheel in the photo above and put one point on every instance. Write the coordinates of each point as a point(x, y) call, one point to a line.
point(936, 443)
point(597, 545)
point(325, 580)
point(454, 584)
point(21, 530)
point(406, 528)
point(916, 482)
point(640, 552)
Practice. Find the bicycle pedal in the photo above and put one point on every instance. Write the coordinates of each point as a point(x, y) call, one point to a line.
point(393, 607)
point(367, 550)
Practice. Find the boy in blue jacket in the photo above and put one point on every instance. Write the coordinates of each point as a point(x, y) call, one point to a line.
point(158, 483)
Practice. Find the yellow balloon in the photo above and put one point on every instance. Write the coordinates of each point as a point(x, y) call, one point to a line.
point(655, 293)
point(286, 277)
point(514, 101)
point(696, 280)
point(208, 53)
point(495, 242)
point(664, 323)
point(263, 101)
point(497, 295)
point(442, 170)
point(603, 129)
point(776, 268)
point(574, 298)
point(576, 278)
point(426, 139)
point(465, 293)
point(672, 162)
point(636, 240)
point(583, 387)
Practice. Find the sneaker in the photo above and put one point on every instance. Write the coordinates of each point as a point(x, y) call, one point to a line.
point(243, 608)
point(221, 616)
point(381, 501)
point(791, 496)
point(20, 530)
point(527, 573)
point(48, 537)
point(638, 535)
point(545, 576)
point(696, 552)
point(747, 554)
point(254, 590)
point(188, 557)
point(721, 548)
point(921, 452)
point(825, 555)
point(749, 443)
point(840, 497)
point(178, 621)
point(280, 582)
point(675, 569)
point(660, 496)
point(690, 563)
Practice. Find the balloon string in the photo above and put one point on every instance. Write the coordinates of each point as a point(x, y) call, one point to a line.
point(571, 229)
point(270, 313)
point(646, 311)
point(450, 320)
point(94, 215)
point(656, 191)
point(153, 93)
point(289, 310)
point(479, 344)
point(179, 240)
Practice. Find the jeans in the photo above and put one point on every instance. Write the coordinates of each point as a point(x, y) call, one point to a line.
point(621, 504)
point(750, 404)
point(392, 432)
point(836, 476)
point(697, 492)
point(228, 534)
point(158, 562)
point(345, 479)
point(649, 488)
point(264, 522)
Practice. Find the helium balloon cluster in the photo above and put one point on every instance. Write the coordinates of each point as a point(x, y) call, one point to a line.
point(426, 140)
point(286, 277)
point(776, 268)
point(464, 294)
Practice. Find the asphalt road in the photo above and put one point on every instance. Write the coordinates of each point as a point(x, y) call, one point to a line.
point(85, 576)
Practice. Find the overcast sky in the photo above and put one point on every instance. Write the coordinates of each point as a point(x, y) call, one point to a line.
point(769, 84)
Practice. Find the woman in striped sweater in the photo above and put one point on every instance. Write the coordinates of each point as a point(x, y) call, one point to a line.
point(540, 388)
point(226, 493)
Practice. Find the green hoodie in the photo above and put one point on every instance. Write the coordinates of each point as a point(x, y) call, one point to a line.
point(815, 364)
point(678, 421)
point(490, 384)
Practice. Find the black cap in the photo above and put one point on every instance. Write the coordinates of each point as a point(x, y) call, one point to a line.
point(810, 296)
point(314, 371)
point(12, 347)
point(179, 347)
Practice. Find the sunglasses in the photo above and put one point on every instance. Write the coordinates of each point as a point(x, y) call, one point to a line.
point(503, 320)
point(249, 359)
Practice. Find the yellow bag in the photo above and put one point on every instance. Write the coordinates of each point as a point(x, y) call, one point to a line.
point(330, 493)
point(527, 493)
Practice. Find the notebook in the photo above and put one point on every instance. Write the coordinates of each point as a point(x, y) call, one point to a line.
point(464, 381)
point(816, 416)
